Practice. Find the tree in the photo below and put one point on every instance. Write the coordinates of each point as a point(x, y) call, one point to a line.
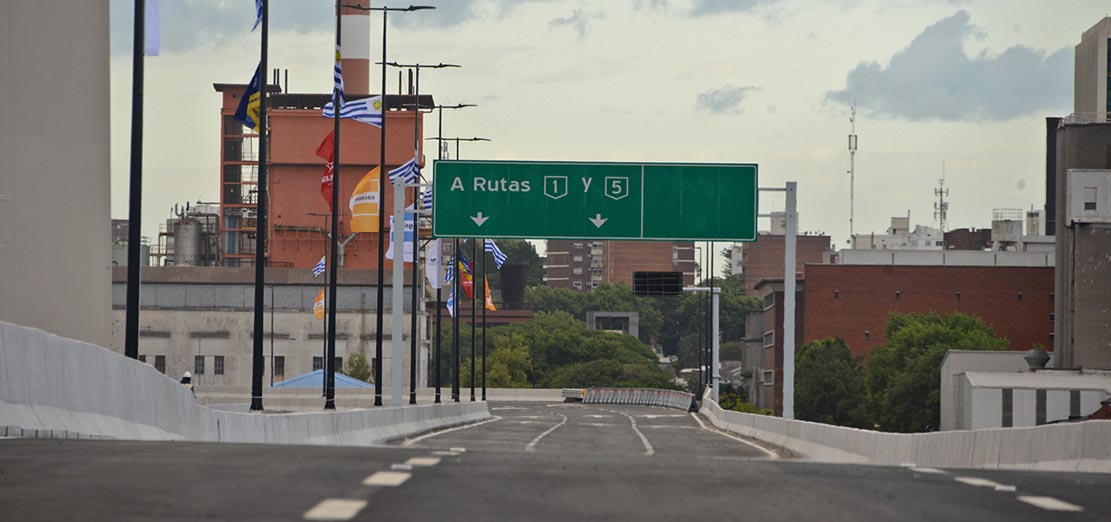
point(357, 367)
point(517, 253)
point(507, 366)
point(903, 375)
point(727, 254)
point(830, 386)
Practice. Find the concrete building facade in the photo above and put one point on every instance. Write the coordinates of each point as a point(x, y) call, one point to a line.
point(55, 238)
point(1083, 278)
point(1090, 100)
point(199, 319)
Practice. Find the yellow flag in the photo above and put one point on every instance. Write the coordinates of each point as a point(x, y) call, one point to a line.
point(489, 300)
point(318, 305)
point(364, 203)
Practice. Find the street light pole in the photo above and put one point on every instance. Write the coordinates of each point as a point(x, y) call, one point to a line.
point(416, 106)
point(385, 10)
point(439, 290)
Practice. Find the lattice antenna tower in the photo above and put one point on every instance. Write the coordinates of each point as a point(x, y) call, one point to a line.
point(941, 207)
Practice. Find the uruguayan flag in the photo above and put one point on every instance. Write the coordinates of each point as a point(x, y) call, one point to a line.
point(451, 302)
point(258, 14)
point(426, 202)
point(492, 247)
point(319, 268)
point(337, 79)
point(409, 172)
point(366, 110)
point(449, 274)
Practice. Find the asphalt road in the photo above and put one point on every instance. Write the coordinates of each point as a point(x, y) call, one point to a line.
point(536, 462)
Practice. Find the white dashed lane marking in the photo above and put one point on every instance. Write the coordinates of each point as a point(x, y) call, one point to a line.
point(387, 478)
point(401, 467)
point(1050, 503)
point(931, 471)
point(423, 461)
point(335, 509)
point(974, 481)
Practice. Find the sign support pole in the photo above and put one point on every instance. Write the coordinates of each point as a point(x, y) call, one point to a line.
point(397, 303)
point(789, 304)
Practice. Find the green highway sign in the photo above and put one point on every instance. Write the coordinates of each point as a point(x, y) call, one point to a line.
point(563, 200)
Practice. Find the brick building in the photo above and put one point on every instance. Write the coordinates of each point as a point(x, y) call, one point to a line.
point(584, 264)
point(853, 301)
point(763, 259)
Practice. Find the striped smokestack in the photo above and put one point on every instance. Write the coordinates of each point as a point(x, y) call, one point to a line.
point(356, 48)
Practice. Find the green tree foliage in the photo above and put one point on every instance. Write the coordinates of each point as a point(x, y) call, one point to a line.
point(357, 367)
point(903, 374)
point(516, 253)
point(605, 298)
point(736, 399)
point(564, 353)
point(683, 315)
point(507, 366)
point(830, 385)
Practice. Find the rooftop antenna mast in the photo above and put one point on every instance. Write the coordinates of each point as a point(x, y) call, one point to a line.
point(852, 169)
point(941, 208)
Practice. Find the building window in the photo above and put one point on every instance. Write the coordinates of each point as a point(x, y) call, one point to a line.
point(317, 363)
point(218, 365)
point(593, 284)
point(769, 338)
point(577, 246)
point(160, 363)
point(769, 377)
point(577, 259)
point(1052, 317)
point(578, 285)
point(577, 271)
point(867, 334)
point(143, 359)
point(339, 364)
point(1052, 337)
point(279, 365)
point(198, 365)
point(898, 295)
point(1089, 198)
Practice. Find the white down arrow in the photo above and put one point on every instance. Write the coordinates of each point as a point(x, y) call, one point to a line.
point(479, 219)
point(598, 220)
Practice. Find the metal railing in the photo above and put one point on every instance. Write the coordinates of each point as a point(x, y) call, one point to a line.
point(1085, 118)
point(640, 396)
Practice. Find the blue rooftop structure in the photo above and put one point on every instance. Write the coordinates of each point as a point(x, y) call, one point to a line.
point(315, 379)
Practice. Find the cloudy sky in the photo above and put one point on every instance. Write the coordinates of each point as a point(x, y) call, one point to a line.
point(765, 81)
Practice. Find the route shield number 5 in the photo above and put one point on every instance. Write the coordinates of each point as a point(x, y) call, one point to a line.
point(617, 187)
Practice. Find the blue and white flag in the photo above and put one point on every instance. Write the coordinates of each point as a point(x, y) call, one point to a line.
point(407, 240)
point(499, 257)
point(366, 110)
point(408, 172)
point(426, 201)
point(152, 38)
point(319, 268)
point(337, 79)
point(258, 15)
point(449, 274)
point(451, 302)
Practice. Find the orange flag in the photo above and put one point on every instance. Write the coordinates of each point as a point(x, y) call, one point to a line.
point(364, 203)
point(318, 305)
point(489, 300)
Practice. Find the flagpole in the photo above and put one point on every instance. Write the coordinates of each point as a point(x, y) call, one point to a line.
point(416, 250)
point(455, 321)
point(135, 200)
point(485, 296)
point(259, 364)
point(333, 255)
point(474, 318)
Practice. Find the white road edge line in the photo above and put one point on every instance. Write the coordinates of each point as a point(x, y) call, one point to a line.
point(335, 509)
point(648, 450)
point(414, 440)
point(531, 446)
point(1050, 503)
point(771, 454)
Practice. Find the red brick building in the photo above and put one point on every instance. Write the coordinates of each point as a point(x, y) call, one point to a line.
point(763, 259)
point(584, 264)
point(853, 301)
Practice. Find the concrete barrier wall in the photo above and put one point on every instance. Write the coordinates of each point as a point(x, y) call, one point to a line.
point(1079, 446)
point(49, 383)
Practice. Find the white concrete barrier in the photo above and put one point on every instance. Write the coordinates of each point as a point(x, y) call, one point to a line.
point(49, 383)
point(1056, 447)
